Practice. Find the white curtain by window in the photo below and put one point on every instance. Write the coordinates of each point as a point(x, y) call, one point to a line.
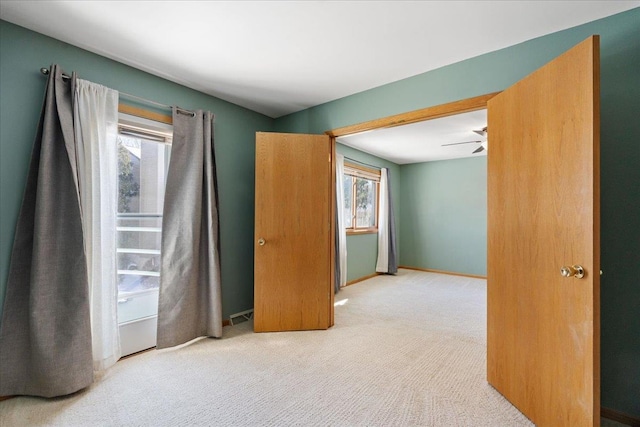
point(96, 129)
point(382, 265)
point(341, 243)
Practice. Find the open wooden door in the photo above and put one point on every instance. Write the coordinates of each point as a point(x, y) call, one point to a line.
point(294, 232)
point(543, 336)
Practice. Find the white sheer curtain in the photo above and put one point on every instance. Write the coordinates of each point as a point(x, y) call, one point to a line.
point(382, 265)
point(341, 243)
point(96, 129)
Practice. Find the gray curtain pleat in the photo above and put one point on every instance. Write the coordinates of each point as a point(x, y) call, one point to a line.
point(393, 250)
point(190, 297)
point(45, 335)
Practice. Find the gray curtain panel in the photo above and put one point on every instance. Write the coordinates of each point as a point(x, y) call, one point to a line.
point(45, 335)
point(190, 297)
point(393, 249)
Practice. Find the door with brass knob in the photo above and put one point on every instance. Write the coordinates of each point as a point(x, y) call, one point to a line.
point(543, 331)
point(293, 256)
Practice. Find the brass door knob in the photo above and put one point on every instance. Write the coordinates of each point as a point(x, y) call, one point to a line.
point(576, 271)
point(261, 241)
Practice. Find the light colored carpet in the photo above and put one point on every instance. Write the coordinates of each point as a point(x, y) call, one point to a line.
point(406, 351)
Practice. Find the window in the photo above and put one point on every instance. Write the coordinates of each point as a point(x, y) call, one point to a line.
point(143, 159)
point(361, 191)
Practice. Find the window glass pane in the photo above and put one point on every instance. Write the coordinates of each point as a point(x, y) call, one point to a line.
point(142, 171)
point(348, 199)
point(139, 233)
point(138, 253)
point(365, 203)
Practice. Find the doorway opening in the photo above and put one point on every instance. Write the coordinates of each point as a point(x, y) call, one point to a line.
point(404, 140)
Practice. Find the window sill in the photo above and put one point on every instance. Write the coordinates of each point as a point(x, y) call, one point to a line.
point(362, 231)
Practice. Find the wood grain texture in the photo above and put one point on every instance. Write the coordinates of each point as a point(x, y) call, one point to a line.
point(543, 331)
point(293, 213)
point(145, 114)
point(443, 110)
point(362, 171)
point(332, 230)
point(358, 231)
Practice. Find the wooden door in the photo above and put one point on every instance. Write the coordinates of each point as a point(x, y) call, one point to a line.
point(294, 232)
point(543, 349)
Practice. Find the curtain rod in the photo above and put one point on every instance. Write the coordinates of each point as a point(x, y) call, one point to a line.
point(45, 71)
point(363, 163)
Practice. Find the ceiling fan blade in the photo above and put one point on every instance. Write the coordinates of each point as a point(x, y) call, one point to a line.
point(478, 150)
point(482, 132)
point(458, 143)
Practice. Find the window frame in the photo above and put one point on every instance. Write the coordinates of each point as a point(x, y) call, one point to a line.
point(355, 170)
point(138, 308)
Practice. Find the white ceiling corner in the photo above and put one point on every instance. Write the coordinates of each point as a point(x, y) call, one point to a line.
point(279, 57)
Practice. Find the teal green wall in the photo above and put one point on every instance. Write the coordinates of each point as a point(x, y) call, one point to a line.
point(23, 53)
point(362, 249)
point(620, 157)
point(443, 220)
point(441, 216)
point(620, 211)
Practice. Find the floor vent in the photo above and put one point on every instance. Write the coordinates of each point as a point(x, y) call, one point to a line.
point(243, 316)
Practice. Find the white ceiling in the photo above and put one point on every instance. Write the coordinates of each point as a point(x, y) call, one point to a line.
point(422, 141)
point(279, 57)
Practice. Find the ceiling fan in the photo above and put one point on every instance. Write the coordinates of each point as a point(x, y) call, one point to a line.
point(483, 142)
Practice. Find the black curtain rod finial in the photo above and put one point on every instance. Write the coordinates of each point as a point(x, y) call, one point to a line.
point(46, 72)
point(185, 112)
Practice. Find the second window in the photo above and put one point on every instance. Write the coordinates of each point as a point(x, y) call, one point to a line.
point(361, 191)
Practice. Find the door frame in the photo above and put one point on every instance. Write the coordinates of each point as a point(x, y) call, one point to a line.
point(428, 113)
point(421, 115)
